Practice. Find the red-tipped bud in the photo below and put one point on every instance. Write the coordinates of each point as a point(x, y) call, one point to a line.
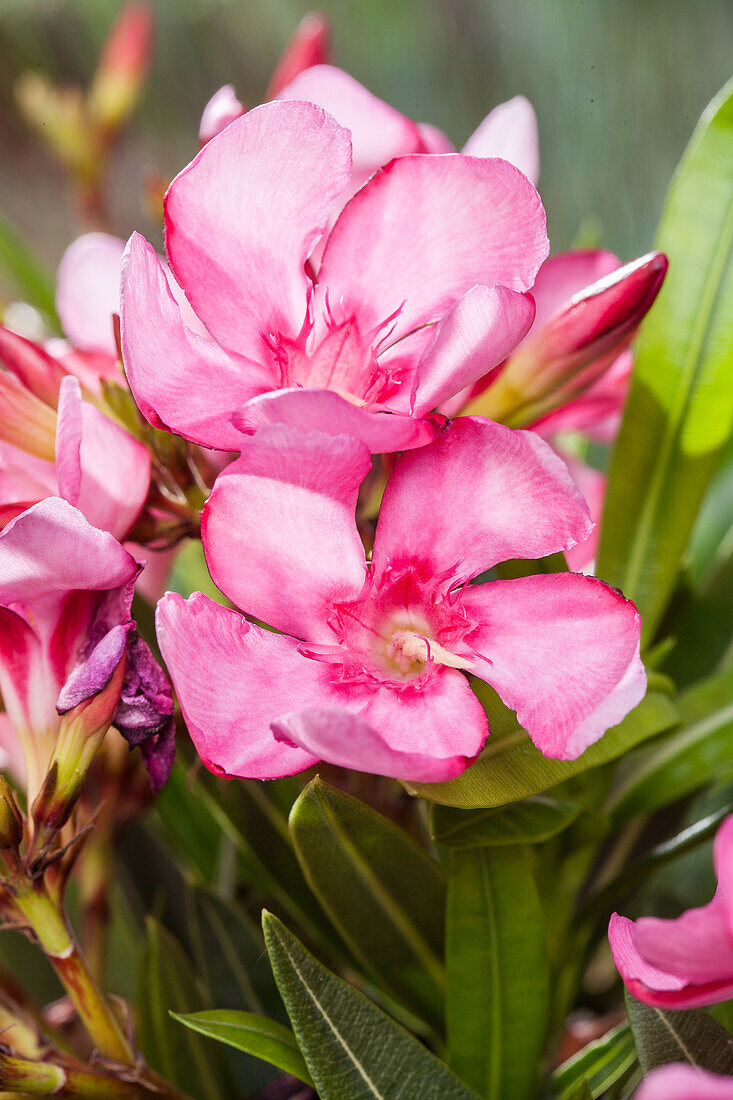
point(32, 366)
point(123, 67)
point(569, 353)
point(309, 46)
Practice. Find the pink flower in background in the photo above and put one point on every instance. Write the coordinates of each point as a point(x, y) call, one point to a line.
point(369, 670)
point(54, 443)
point(65, 595)
point(683, 1082)
point(687, 962)
point(420, 288)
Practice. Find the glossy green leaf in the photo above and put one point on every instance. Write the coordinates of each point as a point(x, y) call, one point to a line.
point(353, 1050)
point(230, 957)
point(529, 822)
point(26, 273)
point(382, 892)
point(167, 984)
point(599, 1065)
point(686, 759)
point(253, 1034)
point(695, 1037)
point(497, 969)
point(511, 768)
point(679, 411)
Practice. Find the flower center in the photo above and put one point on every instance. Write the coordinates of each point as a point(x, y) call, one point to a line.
point(407, 652)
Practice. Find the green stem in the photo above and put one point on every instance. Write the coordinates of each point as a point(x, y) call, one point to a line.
point(59, 944)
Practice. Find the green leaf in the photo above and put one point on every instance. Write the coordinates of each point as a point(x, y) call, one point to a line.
point(679, 411)
point(253, 1034)
point(26, 273)
point(599, 1066)
point(383, 893)
point(498, 979)
point(186, 823)
point(253, 817)
point(694, 1037)
point(167, 983)
point(686, 759)
point(229, 954)
point(511, 768)
point(529, 822)
point(353, 1050)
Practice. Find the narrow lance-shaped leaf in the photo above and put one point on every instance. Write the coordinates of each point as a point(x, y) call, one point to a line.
point(678, 415)
point(497, 968)
point(382, 892)
point(686, 759)
point(511, 768)
point(599, 1066)
point(693, 1037)
point(353, 1050)
point(529, 822)
point(252, 1034)
point(167, 983)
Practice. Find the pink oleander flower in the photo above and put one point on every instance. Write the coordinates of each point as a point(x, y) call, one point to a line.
point(687, 962)
point(369, 670)
point(420, 288)
point(65, 594)
point(683, 1082)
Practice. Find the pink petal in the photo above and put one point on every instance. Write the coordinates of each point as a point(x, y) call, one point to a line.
point(378, 131)
point(180, 380)
point(233, 679)
point(434, 140)
point(563, 652)
point(222, 108)
point(31, 365)
point(12, 758)
point(723, 859)
point(243, 217)
point(480, 494)
point(424, 231)
point(279, 530)
point(509, 132)
point(23, 478)
point(695, 947)
point(26, 422)
point(682, 1082)
point(378, 428)
point(52, 549)
point(88, 291)
point(308, 46)
point(654, 986)
point(592, 485)
point(426, 734)
point(102, 470)
point(478, 333)
point(157, 565)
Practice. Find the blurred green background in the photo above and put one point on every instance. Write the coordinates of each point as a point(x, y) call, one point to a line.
point(617, 84)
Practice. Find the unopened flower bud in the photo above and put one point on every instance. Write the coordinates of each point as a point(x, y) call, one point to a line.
point(122, 68)
point(561, 359)
point(83, 728)
point(309, 46)
point(58, 115)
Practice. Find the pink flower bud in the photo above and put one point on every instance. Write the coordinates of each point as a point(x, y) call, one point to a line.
point(123, 66)
point(567, 354)
point(309, 46)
